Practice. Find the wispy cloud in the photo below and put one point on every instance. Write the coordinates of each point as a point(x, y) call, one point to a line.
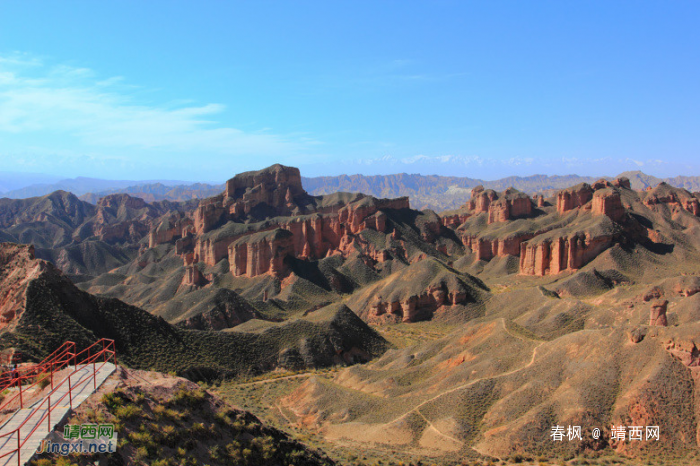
point(103, 113)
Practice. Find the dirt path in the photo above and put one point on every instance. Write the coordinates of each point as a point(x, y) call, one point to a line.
point(442, 434)
point(266, 381)
point(468, 384)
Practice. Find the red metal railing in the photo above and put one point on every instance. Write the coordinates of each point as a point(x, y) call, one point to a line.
point(9, 378)
point(35, 375)
point(103, 350)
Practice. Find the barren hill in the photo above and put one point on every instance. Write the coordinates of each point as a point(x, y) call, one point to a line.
point(40, 309)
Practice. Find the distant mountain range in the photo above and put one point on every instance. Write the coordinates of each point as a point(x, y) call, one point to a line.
point(434, 192)
point(21, 186)
point(160, 192)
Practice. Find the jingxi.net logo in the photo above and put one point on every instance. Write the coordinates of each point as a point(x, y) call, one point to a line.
point(84, 438)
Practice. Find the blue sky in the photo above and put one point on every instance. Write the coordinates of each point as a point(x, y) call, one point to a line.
point(203, 90)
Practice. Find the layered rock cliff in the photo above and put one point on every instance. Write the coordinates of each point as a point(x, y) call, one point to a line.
point(263, 217)
point(582, 222)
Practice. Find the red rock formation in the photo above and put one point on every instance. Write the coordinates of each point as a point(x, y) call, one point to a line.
point(313, 236)
point(193, 277)
point(316, 229)
point(686, 351)
point(17, 268)
point(169, 228)
point(277, 186)
point(209, 213)
point(455, 220)
point(601, 184)
point(622, 182)
point(500, 206)
point(118, 218)
point(675, 198)
point(261, 253)
point(578, 196)
point(657, 315)
point(416, 306)
point(653, 293)
point(552, 256)
point(117, 201)
point(486, 249)
point(608, 202)
point(688, 286)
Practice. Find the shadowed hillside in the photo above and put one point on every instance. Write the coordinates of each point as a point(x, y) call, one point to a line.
point(41, 309)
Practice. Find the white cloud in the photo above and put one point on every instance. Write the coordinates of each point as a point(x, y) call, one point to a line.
point(102, 113)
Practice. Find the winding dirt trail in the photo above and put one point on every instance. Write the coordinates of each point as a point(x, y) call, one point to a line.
point(278, 379)
point(416, 409)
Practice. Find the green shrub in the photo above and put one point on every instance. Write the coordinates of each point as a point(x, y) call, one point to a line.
point(42, 462)
point(141, 454)
point(124, 413)
point(189, 398)
point(45, 381)
point(114, 400)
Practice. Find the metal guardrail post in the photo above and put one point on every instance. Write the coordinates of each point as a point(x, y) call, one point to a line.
point(21, 402)
point(48, 426)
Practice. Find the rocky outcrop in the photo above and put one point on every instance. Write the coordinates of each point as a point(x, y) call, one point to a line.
point(18, 267)
point(266, 201)
point(193, 276)
point(274, 191)
point(539, 254)
point(169, 228)
point(500, 207)
point(313, 236)
point(417, 307)
point(261, 253)
point(572, 198)
point(208, 214)
point(225, 310)
point(277, 187)
point(686, 351)
point(486, 249)
point(657, 315)
point(674, 198)
point(687, 286)
point(552, 256)
point(637, 334)
point(622, 182)
point(609, 203)
point(652, 293)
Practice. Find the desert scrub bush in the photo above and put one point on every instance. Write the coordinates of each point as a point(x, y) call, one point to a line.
point(42, 462)
point(45, 381)
point(198, 429)
point(267, 447)
point(114, 400)
point(222, 419)
point(215, 453)
point(125, 413)
point(164, 462)
point(189, 398)
point(64, 462)
point(141, 454)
